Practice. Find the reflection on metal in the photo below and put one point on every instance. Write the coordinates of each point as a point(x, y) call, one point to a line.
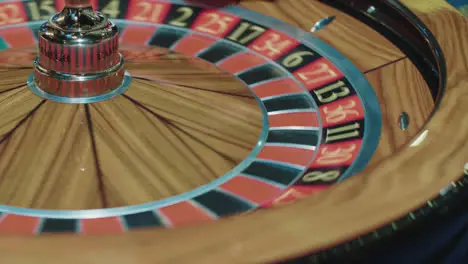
point(404, 121)
point(420, 139)
point(322, 23)
point(78, 55)
point(447, 189)
point(371, 9)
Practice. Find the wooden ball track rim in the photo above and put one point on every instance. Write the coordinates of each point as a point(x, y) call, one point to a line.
point(275, 234)
point(420, 45)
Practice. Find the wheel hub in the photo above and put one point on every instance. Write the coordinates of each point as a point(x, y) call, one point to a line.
point(78, 55)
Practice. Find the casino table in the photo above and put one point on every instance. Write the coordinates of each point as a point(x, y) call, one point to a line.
point(255, 131)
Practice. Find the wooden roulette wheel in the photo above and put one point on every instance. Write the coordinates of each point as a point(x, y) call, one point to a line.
point(176, 114)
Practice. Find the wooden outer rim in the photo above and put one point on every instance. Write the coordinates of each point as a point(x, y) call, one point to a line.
point(397, 185)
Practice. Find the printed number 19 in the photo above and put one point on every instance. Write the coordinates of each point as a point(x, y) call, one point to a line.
point(112, 9)
point(46, 6)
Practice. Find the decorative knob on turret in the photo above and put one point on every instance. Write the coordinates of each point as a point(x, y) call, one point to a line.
point(78, 53)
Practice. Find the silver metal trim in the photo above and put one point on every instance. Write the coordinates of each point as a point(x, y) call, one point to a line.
point(80, 77)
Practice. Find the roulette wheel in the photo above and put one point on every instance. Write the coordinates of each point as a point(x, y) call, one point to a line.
point(305, 128)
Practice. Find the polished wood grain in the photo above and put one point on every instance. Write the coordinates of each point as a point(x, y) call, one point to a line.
point(16, 104)
point(361, 204)
point(17, 58)
point(190, 75)
point(47, 161)
point(361, 44)
point(285, 231)
point(451, 29)
point(181, 125)
point(400, 89)
point(369, 51)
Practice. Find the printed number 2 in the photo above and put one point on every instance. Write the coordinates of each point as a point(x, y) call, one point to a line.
point(181, 21)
